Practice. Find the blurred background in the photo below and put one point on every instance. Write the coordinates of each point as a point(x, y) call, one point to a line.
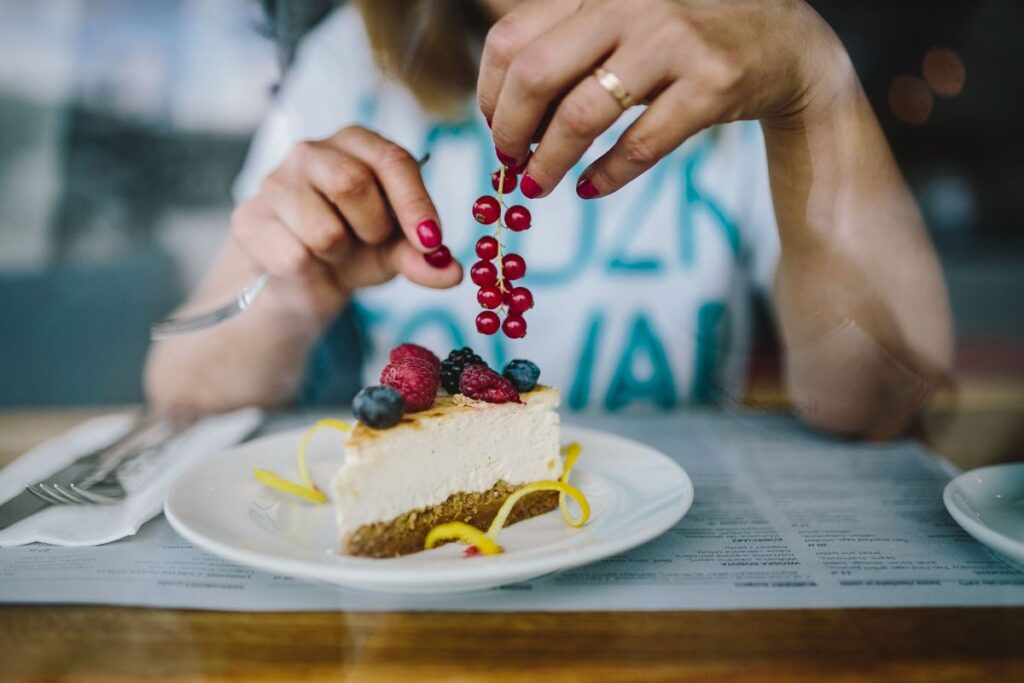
point(123, 123)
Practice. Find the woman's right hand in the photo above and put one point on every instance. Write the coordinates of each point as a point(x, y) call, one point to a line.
point(321, 222)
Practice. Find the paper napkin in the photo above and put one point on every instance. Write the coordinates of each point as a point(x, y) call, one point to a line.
point(147, 480)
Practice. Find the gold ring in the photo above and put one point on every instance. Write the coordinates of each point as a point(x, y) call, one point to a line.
point(615, 87)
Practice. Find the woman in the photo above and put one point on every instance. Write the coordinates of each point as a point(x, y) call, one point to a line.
point(651, 224)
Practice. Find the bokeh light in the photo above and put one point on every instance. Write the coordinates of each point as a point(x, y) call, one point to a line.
point(910, 99)
point(944, 71)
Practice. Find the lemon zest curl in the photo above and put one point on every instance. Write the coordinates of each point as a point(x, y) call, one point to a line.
point(465, 533)
point(307, 489)
point(281, 484)
point(487, 542)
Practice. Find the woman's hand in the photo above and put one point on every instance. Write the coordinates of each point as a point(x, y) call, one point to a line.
point(321, 222)
point(338, 214)
point(695, 62)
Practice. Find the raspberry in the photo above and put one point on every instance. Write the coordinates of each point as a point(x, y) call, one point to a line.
point(378, 407)
point(452, 367)
point(403, 351)
point(415, 379)
point(484, 384)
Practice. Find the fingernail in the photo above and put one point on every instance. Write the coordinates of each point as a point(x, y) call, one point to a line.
point(529, 187)
point(508, 161)
point(488, 120)
point(429, 233)
point(439, 258)
point(511, 163)
point(586, 189)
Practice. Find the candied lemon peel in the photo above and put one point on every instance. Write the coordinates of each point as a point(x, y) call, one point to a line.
point(307, 490)
point(487, 541)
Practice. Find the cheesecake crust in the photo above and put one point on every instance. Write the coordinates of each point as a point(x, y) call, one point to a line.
point(407, 533)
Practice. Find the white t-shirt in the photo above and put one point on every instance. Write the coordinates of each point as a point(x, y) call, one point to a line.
point(641, 297)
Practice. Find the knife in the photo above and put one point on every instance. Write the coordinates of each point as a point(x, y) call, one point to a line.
point(145, 433)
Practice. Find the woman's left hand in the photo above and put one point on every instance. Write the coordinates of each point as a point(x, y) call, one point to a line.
point(694, 62)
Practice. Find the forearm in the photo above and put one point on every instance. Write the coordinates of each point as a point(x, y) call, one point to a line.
point(255, 359)
point(859, 293)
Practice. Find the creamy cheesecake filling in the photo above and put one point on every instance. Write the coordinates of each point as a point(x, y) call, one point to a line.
point(467, 448)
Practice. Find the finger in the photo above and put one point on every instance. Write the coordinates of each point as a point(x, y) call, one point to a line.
point(675, 115)
point(265, 239)
point(374, 265)
point(546, 69)
point(412, 265)
point(307, 215)
point(589, 110)
point(350, 186)
point(399, 176)
point(508, 37)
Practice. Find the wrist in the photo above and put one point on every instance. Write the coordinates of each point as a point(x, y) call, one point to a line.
point(827, 84)
point(312, 301)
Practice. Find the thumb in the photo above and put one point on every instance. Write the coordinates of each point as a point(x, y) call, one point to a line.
point(373, 265)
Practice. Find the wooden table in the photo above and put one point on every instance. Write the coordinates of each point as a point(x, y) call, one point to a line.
point(981, 424)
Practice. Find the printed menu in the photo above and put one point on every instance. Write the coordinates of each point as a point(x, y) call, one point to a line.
point(782, 518)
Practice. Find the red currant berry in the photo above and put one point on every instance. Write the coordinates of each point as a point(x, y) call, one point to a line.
point(439, 258)
point(483, 273)
point(490, 296)
point(486, 210)
point(517, 218)
point(487, 322)
point(520, 299)
point(513, 266)
point(510, 181)
point(514, 326)
point(487, 248)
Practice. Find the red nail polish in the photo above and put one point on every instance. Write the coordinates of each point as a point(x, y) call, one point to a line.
point(585, 188)
point(488, 120)
point(429, 233)
point(529, 187)
point(508, 161)
point(439, 258)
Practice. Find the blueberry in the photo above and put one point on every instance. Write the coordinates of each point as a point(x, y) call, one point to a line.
point(522, 373)
point(379, 407)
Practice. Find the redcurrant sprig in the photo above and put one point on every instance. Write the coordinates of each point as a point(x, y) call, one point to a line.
point(496, 270)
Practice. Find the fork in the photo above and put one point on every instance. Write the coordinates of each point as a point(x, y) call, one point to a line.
point(171, 327)
point(97, 483)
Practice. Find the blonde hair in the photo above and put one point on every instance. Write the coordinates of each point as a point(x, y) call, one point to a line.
point(430, 46)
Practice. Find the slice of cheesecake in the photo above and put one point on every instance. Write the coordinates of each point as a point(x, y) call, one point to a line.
point(456, 461)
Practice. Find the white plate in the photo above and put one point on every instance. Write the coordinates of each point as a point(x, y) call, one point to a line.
point(635, 493)
point(989, 504)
